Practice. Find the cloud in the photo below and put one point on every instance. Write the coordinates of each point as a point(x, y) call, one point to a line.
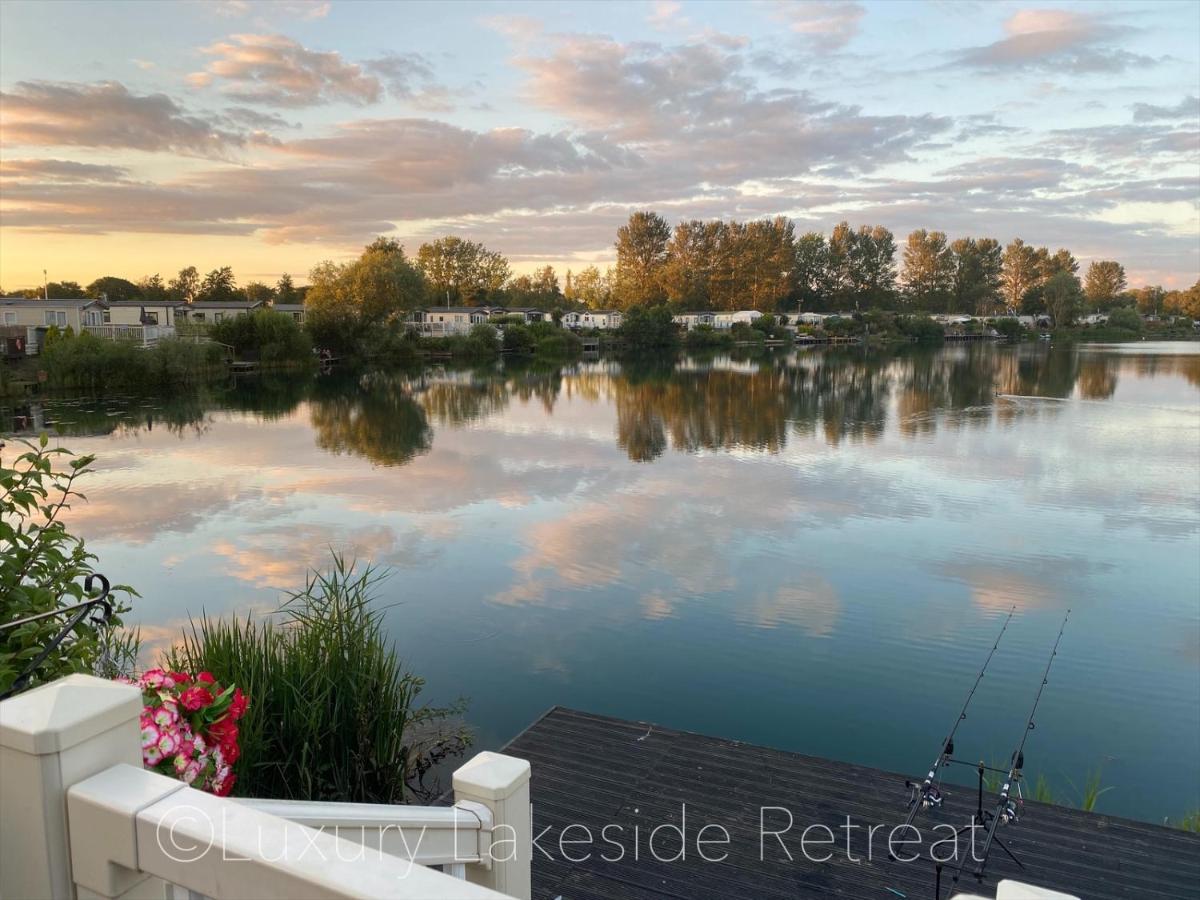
point(664, 13)
point(824, 24)
point(60, 170)
point(308, 10)
point(277, 71)
point(107, 114)
point(1187, 108)
point(697, 105)
point(1053, 40)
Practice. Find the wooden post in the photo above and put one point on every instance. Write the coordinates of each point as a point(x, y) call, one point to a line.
point(50, 738)
point(501, 783)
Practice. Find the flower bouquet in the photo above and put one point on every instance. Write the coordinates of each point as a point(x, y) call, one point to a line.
point(189, 728)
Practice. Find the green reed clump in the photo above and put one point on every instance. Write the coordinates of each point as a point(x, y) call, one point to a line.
point(333, 714)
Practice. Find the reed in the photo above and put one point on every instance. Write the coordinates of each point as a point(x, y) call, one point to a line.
point(334, 714)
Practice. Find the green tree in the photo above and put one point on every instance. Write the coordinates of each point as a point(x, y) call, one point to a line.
point(976, 275)
point(812, 271)
point(1105, 281)
point(113, 288)
point(345, 301)
point(153, 290)
point(641, 257)
point(1063, 297)
point(592, 288)
point(62, 290)
point(184, 286)
point(257, 292)
point(1125, 318)
point(459, 271)
point(285, 291)
point(688, 268)
point(648, 328)
point(929, 268)
point(218, 285)
point(1019, 272)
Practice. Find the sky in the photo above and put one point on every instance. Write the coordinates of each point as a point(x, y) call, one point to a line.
point(144, 137)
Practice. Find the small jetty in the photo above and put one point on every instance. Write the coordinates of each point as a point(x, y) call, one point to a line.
point(594, 771)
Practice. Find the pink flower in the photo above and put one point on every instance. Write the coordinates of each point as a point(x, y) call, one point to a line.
point(166, 716)
point(153, 678)
point(195, 698)
point(168, 743)
point(206, 677)
point(151, 757)
point(150, 734)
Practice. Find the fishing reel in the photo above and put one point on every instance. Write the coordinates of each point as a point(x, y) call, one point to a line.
point(1009, 815)
point(931, 798)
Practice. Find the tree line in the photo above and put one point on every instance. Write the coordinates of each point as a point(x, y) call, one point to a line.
point(712, 265)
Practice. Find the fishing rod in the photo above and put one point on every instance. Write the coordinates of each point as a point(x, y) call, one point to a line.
point(1006, 810)
point(927, 794)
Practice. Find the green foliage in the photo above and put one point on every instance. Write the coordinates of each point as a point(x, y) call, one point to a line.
point(648, 328)
point(1091, 792)
point(112, 288)
point(1190, 822)
point(86, 362)
point(1125, 318)
point(705, 337)
point(43, 567)
point(1010, 327)
point(268, 336)
point(518, 338)
point(345, 302)
point(923, 328)
point(334, 714)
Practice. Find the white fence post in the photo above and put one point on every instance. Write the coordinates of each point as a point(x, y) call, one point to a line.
point(50, 738)
point(501, 783)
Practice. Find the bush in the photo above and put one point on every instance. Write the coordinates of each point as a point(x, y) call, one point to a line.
point(923, 328)
point(518, 338)
point(741, 332)
point(265, 335)
point(43, 567)
point(648, 328)
point(335, 714)
point(90, 363)
point(705, 337)
point(1125, 318)
point(1009, 327)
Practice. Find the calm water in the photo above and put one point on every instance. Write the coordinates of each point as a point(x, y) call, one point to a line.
point(808, 551)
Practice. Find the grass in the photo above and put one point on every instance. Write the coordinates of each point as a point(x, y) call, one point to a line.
point(333, 714)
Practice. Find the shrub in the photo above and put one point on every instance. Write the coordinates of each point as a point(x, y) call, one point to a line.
point(741, 332)
point(90, 363)
point(1125, 318)
point(518, 338)
point(43, 567)
point(1009, 327)
point(923, 328)
point(335, 714)
point(648, 328)
point(704, 337)
point(272, 338)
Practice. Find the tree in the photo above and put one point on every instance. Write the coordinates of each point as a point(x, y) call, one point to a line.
point(1125, 318)
point(153, 290)
point(874, 265)
point(1184, 303)
point(545, 286)
point(383, 244)
point(1150, 299)
point(1019, 272)
point(184, 287)
point(592, 288)
point(1063, 297)
point(812, 271)
point(688, 269)
point(641, 257)
point(285, 291)
point(976, 275)
point(345, 301)
point(929, 268)
point(1105, 280)
point(648, 327)
point(257, 292)
point(61, 290)
point(218, 285)
point(110, 287)
point(458, 271)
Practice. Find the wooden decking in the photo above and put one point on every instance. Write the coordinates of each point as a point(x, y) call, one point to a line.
point(595, 771)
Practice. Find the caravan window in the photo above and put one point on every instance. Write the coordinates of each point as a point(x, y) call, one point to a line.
point(56, 317)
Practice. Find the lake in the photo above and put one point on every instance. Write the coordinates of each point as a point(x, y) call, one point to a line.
point(810, 550)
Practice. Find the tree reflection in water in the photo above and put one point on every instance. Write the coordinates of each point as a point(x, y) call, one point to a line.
point(690, 404)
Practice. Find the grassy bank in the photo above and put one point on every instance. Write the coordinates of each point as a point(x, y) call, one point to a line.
point(86, 363)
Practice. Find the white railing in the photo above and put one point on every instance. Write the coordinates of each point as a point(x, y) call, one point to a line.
point(146, 335)
point(80, 817)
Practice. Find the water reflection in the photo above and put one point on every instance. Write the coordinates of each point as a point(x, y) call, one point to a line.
point(778, 537)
